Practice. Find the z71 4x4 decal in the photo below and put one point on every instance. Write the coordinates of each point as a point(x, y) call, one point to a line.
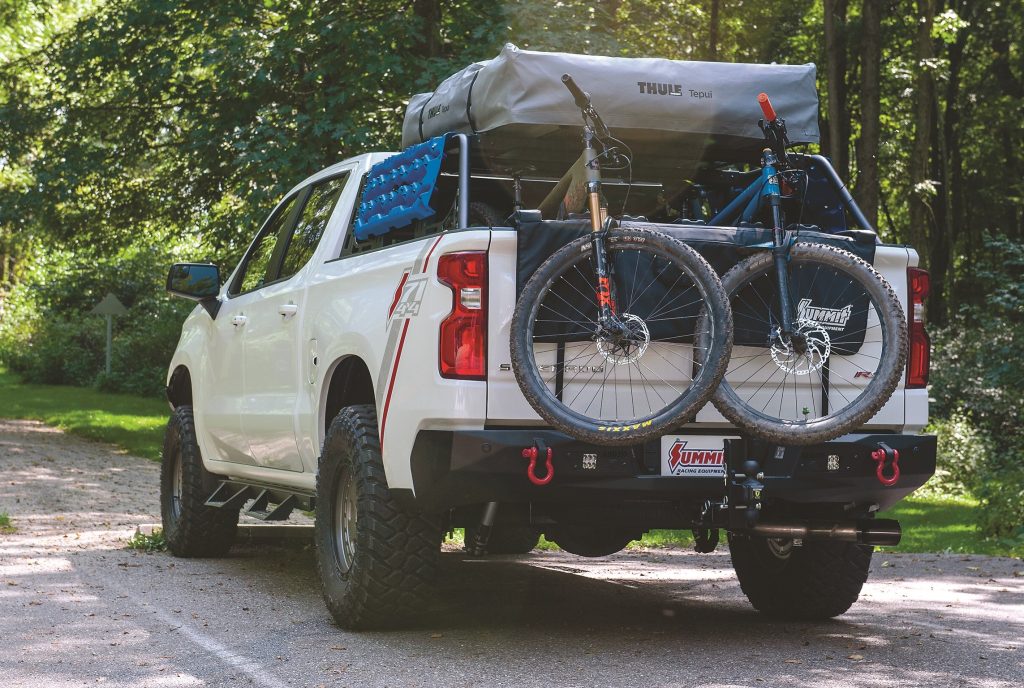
point(405, 305)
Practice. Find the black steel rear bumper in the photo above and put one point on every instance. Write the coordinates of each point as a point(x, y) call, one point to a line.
point(455, 468)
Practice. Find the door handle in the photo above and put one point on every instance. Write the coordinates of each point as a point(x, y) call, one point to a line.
point(238, 320)
point(287, 309)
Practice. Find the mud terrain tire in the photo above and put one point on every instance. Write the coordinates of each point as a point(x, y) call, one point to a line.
point(817, 581)
point(191, 529)
point(377, 559)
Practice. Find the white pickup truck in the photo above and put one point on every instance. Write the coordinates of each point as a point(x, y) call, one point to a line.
point(370, 380)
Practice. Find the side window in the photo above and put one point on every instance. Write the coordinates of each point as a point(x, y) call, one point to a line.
point(311, 225)
point(257, 262)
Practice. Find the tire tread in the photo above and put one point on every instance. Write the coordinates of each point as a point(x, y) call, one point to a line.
point(397, 551)
point(860, 411)
point(200, 530)
point(821, 580)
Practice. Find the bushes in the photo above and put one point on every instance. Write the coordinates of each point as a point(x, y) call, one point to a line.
point(1002, 497)
point(48, 335)
point(978, 389)
point(964, 451)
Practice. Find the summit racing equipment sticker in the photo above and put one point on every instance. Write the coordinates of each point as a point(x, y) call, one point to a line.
point(834, 319)
point(693, 456)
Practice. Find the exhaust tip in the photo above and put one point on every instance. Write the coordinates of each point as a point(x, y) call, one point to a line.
point(880, 532)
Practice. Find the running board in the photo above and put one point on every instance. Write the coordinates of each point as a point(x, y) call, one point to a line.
point(269, 503)
point(262, 510)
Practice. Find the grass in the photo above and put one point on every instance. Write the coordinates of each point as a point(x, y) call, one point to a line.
point(136, 424)
point(153, 542)
point(6, 527)
point(946, 524)
point(930, 523)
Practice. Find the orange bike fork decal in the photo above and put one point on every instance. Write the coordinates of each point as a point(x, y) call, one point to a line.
point(604, 293)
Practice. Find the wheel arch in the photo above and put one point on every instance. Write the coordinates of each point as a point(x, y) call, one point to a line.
point(179, 387)
point(347, 382)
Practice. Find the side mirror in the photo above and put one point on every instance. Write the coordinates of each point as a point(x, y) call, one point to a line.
point(196, 282)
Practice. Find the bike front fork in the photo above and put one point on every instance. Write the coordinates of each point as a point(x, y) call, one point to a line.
point(780, 257)
point(605, 303)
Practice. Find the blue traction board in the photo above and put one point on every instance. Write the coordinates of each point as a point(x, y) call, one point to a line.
point(398, 189)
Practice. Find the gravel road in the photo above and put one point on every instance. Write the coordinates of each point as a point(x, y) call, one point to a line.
point(76, 608)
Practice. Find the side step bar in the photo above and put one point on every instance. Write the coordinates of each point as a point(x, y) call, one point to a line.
point(268, 503)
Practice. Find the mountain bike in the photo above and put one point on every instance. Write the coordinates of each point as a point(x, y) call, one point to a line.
point(604, 338)
point(820, 340)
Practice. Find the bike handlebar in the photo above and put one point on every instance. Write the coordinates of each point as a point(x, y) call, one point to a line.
point(582, 98)
point(766, 108)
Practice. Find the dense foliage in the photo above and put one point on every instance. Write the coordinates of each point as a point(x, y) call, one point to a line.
point(978, 382)
point(136, 131)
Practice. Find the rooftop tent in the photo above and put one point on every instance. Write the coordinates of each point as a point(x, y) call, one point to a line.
point(675, 115)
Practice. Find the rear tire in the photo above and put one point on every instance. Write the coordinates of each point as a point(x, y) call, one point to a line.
point(377, 559)
point(508, 539)
point(566, 364)
point(191, 529)
point(817, 581)
point(592, 542)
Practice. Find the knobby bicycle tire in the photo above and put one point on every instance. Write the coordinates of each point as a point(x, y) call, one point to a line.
point(843, 378)
point(614, 393)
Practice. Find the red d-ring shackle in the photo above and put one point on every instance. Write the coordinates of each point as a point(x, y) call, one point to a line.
point(880, 455)
point(531, 453)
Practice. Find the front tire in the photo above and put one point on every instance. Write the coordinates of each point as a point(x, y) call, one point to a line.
point(817, 581)
point(377, 560)
point(592, 542)
point(832, 388)
point(191, 529)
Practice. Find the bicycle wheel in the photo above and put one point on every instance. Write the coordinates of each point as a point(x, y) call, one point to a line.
point(842, 363)
point(631, 385)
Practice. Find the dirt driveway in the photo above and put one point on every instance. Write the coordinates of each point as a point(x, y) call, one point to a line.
point(78, 609)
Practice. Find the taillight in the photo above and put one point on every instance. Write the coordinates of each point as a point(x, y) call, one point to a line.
point(918, 284)
point(463, 337)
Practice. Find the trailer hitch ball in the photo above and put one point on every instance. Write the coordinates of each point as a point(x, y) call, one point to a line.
point(888, 468)
point(533, 453)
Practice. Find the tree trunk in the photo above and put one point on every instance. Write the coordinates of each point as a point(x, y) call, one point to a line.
point(1010, 85)
point(835, 57)
point(952, 189)
point(428, 12)
point(713, 32)
point(870, 108)
point(924, 94)
point(939, 239)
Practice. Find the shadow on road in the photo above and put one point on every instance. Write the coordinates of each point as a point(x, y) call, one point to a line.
point(77, 608)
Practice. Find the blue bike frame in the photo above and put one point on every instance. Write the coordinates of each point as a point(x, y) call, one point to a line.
point(765, 191)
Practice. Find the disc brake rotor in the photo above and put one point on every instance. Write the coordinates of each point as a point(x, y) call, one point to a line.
point(627, 348)
point(817, 346)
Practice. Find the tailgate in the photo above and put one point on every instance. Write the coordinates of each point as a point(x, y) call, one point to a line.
point(507, 405)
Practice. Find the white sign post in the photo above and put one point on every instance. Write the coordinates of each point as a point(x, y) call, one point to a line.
point(109, 307)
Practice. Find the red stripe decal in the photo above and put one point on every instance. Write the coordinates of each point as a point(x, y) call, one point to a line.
point(426, 261)
point(391, 384)
point(398, 295)
point(401, 342)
